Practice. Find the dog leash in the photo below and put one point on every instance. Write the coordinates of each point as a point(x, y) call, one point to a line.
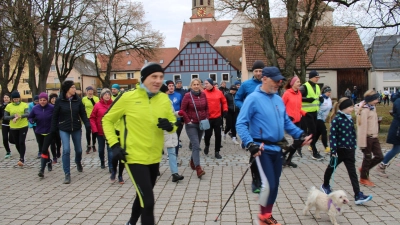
point(333, 163)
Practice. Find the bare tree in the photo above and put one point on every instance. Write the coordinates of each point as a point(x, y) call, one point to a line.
point(296, 32)
point(120, 26)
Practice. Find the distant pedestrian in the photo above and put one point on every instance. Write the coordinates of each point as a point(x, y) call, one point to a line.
point(347, 93)
point(393, 136)
point(69, 114)
point(193, 110)
point(100, 108)
point(386, 95)
point(237, 84)
point(292, 99)
point(17, 113)
point(42, 114)
point(231, 116)
point(89, 101)
point(56, 141)
point(223, 88)
point(354, 95)
point(5, 126)
point(342, 139)
point(115, 91)
point(176, 99)
point(179, 89)
point(367, 135)
point(215, 100)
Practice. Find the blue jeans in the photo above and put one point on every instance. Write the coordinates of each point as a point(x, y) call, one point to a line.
point(392, 153)
point(172, 160)
point(101, 141)
point(76, 139)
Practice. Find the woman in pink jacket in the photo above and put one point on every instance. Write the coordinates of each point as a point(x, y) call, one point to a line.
point(292, 100)
point(100, 108)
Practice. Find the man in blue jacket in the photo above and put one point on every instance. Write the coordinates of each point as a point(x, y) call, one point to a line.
point(245, 89)
point(176, 99)
point(261, 124)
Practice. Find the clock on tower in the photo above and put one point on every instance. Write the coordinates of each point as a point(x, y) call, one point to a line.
point(201, 12)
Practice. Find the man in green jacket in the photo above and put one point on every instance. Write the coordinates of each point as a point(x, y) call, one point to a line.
point(89, 101)
point(145, 113)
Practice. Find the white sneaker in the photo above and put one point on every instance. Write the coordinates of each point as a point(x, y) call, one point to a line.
point(224, 137)
point(234, 141)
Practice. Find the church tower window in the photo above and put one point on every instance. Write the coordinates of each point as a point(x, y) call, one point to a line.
point(201, 2)
point(194, 2)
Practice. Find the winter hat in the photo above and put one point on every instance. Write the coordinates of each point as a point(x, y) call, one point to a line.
point(273, 73)
point(104, 91)
point(258, 65)
point(164, 88)
point(15, 94)
point(210, 81)
point(168, 82)
point(88, 88)
point(312, 74)
point(345, 104)
point(66, 85)
point(233, 87)
point(53, 95)
point(178, 81)
point(236, 82)
point(36, 98)
point(43, 95)
point(116, 86)
point(148, 69)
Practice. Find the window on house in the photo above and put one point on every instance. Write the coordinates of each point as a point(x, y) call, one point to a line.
point(209, 2)
point(27, 92)
point(113, 77)
point(198, 45)
point(177, 77)
point(181, 62)
point(195, 76)
point(216, 61)
point(213, 76)
point(201, 2)
point(53, 68)
point(225, 76)
point(129, 75)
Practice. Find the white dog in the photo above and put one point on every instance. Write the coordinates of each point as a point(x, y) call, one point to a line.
point(331, 204)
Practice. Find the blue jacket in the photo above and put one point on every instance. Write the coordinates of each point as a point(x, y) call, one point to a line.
point(176, 99)
point(42, 116)
point(245, 89)
point(394, 130)
point(30, 107)
point(263, 116)
point(342, 133)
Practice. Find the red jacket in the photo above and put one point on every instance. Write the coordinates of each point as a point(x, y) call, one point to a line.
point(188, 111)
point(292, 101)
point(216, 99)
point(99, 109)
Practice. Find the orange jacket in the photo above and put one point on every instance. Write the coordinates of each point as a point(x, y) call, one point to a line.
point(292, 101)
point(215, 100)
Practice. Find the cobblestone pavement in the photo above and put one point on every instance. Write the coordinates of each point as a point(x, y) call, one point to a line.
point(92, 199)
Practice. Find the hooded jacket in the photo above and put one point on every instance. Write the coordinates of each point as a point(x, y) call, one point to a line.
point(215, 99)
point(232, 107)
point(263, 116)
point(41, 116)
point(69, 114)
point(367, 124)
point(100, 108)
point(139, 134)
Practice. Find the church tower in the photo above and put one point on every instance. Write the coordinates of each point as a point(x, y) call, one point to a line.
point(202, 10)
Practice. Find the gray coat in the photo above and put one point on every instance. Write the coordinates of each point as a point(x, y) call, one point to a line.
point(394, 130)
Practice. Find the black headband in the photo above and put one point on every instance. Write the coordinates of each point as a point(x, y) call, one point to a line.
point(328, 89)
point(371, 98)
point(346, 103)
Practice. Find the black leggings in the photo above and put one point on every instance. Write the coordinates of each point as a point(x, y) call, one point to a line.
point(19, 136)
point(231, 123)
point(88, 138)
point(291, 151)
point(56, 145)
point(144, 177)
point(120, 168)
point(42, 145)
point(321, 131)
point(5, 131)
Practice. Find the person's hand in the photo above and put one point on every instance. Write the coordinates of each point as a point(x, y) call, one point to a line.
point(224, 113)
point(118, 152)
point(164, 124)
point(254, 149)
point(301, 141)
point(333, 154)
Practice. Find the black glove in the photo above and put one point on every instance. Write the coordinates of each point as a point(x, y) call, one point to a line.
point(164, 124)
point(95, 134)
point(299, 141)
point(224, 113)
point(291, 118)
point(321, 99)
point(253, 148)
point(118, 152)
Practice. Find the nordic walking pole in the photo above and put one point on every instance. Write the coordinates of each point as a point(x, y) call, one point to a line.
point(248, 167)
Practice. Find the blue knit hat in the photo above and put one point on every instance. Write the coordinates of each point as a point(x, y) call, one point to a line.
point(210, 81)
point(116, 86)
point(237, 82)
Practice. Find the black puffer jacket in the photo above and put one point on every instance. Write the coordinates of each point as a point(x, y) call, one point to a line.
point(3, 106)
point(230, 99)
point(69, 114)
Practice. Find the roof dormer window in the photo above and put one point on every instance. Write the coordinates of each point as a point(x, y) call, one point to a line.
point(129, 62)
point(161, 61)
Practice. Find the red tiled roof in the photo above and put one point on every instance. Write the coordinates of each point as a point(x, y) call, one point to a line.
point(211, 31)
point(120, 62)
point(342, 48)
point(232, 53)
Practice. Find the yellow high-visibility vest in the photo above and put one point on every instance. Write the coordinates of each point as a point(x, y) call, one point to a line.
point(313, 106)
